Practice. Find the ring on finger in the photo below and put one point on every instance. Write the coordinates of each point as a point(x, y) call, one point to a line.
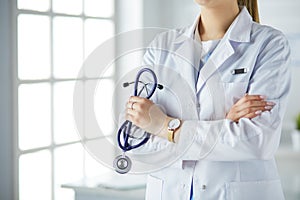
point(132, 105)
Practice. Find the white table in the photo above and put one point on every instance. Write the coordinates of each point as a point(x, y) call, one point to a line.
point(110, 186)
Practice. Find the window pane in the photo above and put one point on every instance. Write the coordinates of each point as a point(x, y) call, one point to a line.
point(99, 8)
point(68, 48)
point(35, 176)
point(68, 168)
point(103, 108)
point(38, 5)
point(34, 115)
point(67, 6)
point(96, 32)
point(33, 47)
point(64, 125)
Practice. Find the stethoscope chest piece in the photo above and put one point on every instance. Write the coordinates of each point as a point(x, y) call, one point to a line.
point(122, 164)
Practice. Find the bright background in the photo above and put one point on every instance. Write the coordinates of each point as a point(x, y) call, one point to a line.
point(43, 44)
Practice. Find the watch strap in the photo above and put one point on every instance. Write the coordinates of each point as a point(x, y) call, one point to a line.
point(171, 135)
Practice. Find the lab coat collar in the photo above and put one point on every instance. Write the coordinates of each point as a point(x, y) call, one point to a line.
point(188, 50)
point(239, 30)
point(188, 33)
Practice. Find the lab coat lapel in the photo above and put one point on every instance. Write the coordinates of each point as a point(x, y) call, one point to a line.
point(187, 59)
point(187, 51)
point(238, 32)
point(223, 51)
point(187, 54)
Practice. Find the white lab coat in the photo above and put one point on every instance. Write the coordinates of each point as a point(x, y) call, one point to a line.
point(225, 160)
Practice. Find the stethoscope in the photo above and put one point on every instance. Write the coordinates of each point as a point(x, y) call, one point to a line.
point(122, 163)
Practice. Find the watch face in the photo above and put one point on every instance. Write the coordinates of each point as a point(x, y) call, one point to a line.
point(174, 123)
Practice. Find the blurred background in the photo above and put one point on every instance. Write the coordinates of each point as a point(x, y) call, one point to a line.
point(42, 46)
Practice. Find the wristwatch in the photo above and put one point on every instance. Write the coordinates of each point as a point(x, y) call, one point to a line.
point(173, 125)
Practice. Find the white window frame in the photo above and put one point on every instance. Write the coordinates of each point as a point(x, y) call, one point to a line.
point(16, 82)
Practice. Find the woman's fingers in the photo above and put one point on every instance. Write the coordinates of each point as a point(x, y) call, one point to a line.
point(137, 99)
point(131, 115)
point(252, 115)
point(250, 98)
point(131, 112)
point(235, 116)
point(247, 111)
point(145, 114)
point(254, 111)
point(255, 105)
point(249, 101)
point(131, 105)
point(249, 106)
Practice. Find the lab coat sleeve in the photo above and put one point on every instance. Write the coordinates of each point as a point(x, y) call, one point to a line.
point(257, 138)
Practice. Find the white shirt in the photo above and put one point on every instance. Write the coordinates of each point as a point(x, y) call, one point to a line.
point(207, 48)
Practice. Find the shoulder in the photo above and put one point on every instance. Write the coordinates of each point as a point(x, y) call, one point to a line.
point(270, 41)
point(272, 45)
point(167, 38)
point(172, 34)
point(267, 34)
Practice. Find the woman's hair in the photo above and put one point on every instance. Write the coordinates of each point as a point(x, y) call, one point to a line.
point(252, 7)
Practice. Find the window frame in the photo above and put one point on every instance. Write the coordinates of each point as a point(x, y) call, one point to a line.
point(16, 82)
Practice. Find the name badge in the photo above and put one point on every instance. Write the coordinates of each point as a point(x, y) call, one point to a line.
point(239, 71)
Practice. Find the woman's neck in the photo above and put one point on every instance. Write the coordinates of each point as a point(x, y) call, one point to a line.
point(214, 21)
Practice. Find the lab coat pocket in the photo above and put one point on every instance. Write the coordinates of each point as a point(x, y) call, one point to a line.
point(233, 91)
point(154, 188)
point(260, 190)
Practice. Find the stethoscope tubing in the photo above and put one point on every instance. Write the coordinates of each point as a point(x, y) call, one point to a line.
point(137, 80)
point(126, 126)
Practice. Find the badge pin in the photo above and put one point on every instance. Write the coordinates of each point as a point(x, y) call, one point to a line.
point(239, 71)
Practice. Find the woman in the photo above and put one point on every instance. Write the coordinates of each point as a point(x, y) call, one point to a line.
point(249, 60)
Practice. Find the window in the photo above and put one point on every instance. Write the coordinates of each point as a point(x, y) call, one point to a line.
point(53, 38)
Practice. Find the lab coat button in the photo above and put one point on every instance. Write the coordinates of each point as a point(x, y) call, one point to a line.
point(203, 187)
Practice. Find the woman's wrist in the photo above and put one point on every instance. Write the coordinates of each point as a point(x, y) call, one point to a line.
point(164, 130)
point(164, 133)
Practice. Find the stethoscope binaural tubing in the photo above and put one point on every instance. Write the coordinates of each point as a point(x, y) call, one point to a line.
point(126, 126)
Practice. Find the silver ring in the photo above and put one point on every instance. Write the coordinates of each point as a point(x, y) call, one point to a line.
point(132, 105)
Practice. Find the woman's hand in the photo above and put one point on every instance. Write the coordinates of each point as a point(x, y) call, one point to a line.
point(249, 106)
point(145, 114)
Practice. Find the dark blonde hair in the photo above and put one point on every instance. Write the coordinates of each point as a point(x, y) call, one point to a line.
point(252, 7)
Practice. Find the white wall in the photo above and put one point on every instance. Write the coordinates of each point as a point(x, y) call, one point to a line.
point(169, 13)
point(283, 15)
